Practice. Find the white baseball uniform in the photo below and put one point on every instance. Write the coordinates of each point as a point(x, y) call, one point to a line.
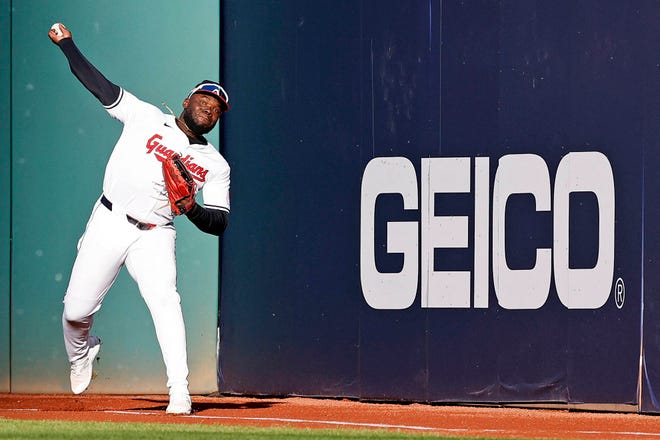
point(131, 225)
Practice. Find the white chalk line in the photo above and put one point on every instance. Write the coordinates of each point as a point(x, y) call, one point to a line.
point(331, 422)
point(630, 433)
point(386, 426)
point(355, 424)
point(287, 420)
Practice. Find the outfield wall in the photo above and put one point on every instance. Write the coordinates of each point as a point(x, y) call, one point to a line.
point(442, 201)
point(434, 201)
point(4, 201)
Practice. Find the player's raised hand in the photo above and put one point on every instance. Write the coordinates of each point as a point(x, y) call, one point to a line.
point(58, 32)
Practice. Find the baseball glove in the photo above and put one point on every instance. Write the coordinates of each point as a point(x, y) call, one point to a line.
point(179, 184)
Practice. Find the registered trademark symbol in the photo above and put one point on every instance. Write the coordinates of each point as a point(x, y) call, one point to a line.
point(619, 293)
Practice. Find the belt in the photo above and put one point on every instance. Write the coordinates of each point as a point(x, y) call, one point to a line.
point(138, 224)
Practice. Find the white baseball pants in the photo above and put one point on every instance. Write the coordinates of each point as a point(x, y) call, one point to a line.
point(108, 243)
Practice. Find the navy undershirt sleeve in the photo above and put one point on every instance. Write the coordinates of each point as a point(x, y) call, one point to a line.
point(211, 221)
point(88, 75)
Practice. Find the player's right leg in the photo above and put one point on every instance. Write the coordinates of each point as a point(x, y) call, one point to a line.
point(101, 253)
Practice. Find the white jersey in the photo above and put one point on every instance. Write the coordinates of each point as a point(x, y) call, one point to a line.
point(133, 176)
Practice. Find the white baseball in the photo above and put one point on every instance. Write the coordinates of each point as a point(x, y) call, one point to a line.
point(58, 30)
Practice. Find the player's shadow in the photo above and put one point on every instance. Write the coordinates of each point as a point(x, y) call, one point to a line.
point(202, 406)
point(161, 405)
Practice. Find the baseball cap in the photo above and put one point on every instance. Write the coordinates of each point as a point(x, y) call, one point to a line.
point(214, 89)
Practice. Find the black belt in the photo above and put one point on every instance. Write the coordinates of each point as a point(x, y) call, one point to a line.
point(138, 224)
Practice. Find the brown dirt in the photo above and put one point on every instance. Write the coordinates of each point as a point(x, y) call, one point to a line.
point(327, 413)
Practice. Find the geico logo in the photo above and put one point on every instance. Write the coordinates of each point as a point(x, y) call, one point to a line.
point(577, 288)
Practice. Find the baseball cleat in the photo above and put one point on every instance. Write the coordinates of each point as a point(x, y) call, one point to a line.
point(179, 403)
point(81, 371)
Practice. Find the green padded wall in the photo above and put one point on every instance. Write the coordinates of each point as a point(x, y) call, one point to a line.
point(61, 140)
point(5, 202)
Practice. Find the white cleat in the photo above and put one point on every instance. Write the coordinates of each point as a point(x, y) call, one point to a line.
point(81, 371)
point(180, 403)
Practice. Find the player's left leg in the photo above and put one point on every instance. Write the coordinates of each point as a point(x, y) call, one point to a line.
point(152, 264)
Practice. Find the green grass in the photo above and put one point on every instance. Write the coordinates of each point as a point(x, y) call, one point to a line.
point(22, 429)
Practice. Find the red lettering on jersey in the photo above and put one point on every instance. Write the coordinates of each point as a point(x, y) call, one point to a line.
point(153, 142)
point(161, 152)
point(197, 171)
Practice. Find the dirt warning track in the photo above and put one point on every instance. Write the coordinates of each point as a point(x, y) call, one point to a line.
point(345, 414)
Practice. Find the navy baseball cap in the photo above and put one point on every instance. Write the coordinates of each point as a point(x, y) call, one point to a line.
point(214, 89)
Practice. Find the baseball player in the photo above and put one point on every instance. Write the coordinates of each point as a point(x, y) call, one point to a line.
point(131, 223)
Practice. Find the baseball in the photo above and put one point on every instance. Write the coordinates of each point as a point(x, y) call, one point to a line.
point(58, 30)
